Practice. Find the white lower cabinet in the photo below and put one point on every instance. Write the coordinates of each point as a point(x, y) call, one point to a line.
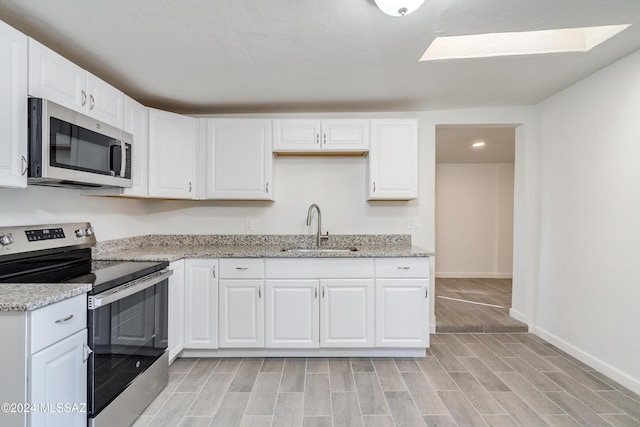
point(201, 304)
point(402, 313)
point(59, 383)
point(241, 313)
point(176, 310)
point(44, 365)
point(347, 313)
point(402, 302)
point(233, 305)
point(292, 314)
point(315, 303)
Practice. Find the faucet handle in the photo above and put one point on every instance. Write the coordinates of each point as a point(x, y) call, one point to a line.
point(324, 236)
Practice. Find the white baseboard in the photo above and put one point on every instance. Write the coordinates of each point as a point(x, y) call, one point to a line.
point(612, 372)
point(474, 275)
point(518, 315)
point(312, 352)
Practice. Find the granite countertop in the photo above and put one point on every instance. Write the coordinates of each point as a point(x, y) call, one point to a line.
point(175, 247)
point(31, 296)
point(176, 252)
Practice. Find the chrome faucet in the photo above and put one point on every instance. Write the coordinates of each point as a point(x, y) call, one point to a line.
point(319, 236)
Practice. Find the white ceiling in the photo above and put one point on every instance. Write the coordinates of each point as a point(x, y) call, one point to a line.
point(207, 56)
point(454, 144)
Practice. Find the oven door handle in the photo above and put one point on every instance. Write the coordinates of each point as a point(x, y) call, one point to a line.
point(123, 291)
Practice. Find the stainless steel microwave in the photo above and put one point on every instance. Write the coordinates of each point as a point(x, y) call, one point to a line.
point(69, 149)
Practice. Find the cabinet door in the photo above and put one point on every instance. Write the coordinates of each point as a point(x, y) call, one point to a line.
point(13, 107)
point(105, 103)
point(296, 135)
point(172, 144)
point(55, 78)
point(241, 313)
point(346, 313)
point(136, 122)
point(201, 303)
point(59, 376)
point(176, 310)
point(402, 313)
point(239, 159)
point(292, 314)
point(393, 160)
point(345, 135)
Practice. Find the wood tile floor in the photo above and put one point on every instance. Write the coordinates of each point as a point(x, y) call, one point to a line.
point(464, 380)
point(458, 316)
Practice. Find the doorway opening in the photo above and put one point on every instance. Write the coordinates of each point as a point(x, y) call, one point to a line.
point(474, 228)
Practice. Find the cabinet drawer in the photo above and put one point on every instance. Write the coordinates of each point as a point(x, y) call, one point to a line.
point(314, 268)
point(402, 267)
point(54, 322)
point(241, 268)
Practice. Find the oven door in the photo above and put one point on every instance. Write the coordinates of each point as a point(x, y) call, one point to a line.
point(127, 333)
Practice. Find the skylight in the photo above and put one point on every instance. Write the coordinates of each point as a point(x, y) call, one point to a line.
point(520, 43)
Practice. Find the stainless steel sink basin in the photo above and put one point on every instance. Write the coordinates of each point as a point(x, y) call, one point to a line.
point(319, 250)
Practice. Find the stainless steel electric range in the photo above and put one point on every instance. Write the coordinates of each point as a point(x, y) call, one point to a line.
point(127, 313)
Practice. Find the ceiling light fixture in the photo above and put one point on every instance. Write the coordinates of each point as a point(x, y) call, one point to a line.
point(398, 7)
point(478, 144)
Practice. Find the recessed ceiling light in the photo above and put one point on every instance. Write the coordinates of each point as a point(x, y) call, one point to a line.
point(520, 43)
point(478, 144)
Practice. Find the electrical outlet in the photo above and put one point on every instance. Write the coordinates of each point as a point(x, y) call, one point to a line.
point(413, 223)
point(249, 224)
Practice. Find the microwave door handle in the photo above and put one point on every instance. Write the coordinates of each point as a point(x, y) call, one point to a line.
point(128, 289)
point(123, 164)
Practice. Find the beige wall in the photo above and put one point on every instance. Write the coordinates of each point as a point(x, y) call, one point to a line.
point(474, 219)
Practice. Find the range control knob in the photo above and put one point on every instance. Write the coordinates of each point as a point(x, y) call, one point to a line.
point(89, 231)
point(81, 232)
point(6, 239)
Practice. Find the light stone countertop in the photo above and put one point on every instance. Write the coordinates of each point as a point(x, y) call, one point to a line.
point(176, 252)
point(175, 247)
point(31, 296)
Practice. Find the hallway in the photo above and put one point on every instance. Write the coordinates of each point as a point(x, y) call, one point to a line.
point(475, 306)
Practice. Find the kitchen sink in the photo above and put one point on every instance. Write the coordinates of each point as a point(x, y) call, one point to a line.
point(320, 250)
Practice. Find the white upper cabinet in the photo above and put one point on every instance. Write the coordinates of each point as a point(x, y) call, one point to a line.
point(393, 159)
point(172, 155)
point(345, 135)
point(136, 122)
point(13, 107)
point(239, 159)
point(54, 77)
point(106, 103)
point(313, 135)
